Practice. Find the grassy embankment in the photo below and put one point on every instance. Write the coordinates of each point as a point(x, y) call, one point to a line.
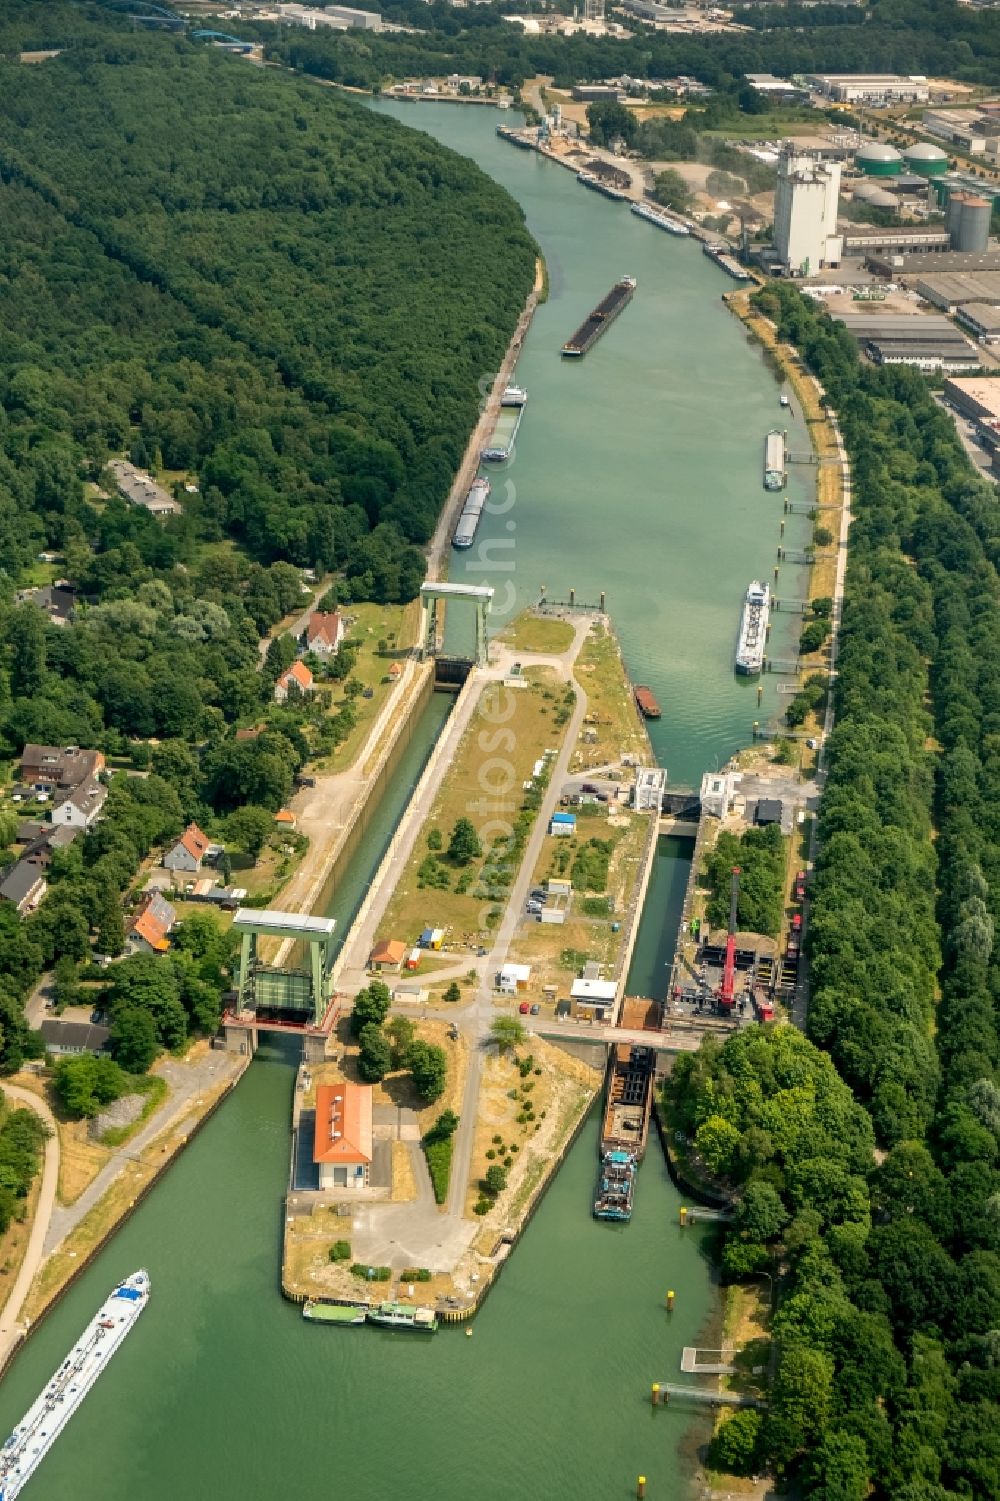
point(484, 784)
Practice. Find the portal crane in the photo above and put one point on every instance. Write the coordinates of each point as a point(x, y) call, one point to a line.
point(726, 993)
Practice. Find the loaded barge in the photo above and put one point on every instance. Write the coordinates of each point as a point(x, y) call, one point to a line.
point(51, 1411)
point(604, 314)
point(753, 629)
point(598, 185)
point(661, 220)
point(624, 1129)
point(512, 405)
point(720, 255)
point(774, 460)
point(468, 523)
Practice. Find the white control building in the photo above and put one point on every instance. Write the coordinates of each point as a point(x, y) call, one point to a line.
point(805, 214)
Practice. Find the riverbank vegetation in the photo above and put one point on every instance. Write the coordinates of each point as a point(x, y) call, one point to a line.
point(888, 1270)
point(281, 305)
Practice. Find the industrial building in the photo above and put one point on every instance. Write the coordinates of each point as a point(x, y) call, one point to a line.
point(982, 320)
point(978, 399)
point(905, 267)
point(901, 241)
point(337, 17)
point(874, 89)
point(778, 89)
point(955, 289)
point(960, 127)
point(805, 213)
point(928, 343)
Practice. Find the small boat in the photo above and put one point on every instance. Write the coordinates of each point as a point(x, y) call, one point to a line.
point(403, 1316)
point(333, 1313)
point(646, 702)
point(785, 401)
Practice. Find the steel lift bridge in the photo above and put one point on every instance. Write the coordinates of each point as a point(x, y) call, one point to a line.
point(431, 595)
point(298, 997)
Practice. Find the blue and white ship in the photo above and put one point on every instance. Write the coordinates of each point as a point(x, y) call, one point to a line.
point(52, 1409)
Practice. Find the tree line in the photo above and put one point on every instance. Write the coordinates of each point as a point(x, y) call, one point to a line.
point(887, 1376)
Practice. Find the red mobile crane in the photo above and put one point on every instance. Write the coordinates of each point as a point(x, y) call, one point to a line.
point(725, 995)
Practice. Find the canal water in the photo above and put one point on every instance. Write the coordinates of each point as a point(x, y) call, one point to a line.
point(638, 471)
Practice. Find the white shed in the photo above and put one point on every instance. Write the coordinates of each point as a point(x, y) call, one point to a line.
point(513, 977)
point(594, 992)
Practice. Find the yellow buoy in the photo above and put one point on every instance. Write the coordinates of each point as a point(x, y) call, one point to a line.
point(670, 1301)
point(656, 1394)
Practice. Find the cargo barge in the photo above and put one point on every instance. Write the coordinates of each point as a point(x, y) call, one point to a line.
point(624, 1129)
point(646, 703)
point(598, 185)
point(753, 629)
point(501, 445)
point(774, 460)
point(661, 220)
point(603, 315)
point(722, 258)
point(468, 523)
point(507, 133)
point(48, 1415)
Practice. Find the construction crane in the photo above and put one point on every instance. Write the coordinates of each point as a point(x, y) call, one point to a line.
point(725, 995)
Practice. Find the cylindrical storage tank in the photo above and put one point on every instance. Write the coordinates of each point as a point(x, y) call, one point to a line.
point(973, 232)
point(927, 160)
point(876, 159)
point(953, 215)
point(879, 198)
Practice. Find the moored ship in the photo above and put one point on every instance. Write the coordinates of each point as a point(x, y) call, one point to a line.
point(753, 629)
point(660, 219)
point(501, 444)
point(774, 460)
point(646, 702)
point(48, 1415)
point(403, 1316)
point(598, 185)
point(468, 523)
point(624, 1129)
point(604, 314)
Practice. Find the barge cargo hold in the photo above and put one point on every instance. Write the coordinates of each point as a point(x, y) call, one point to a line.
point(501, 444)
point(753, 629)
point(468, 523)
point(774, 460)
point(333, 1313)
point(722, 258)
point(48, 1415)
point(661, 220)
point(624, 1129)
point(598, 185)
point(603, 315)
point(646, 703)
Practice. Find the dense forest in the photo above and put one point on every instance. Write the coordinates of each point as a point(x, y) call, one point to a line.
point(888, 1264)
point(939, 37)
point(285, 305)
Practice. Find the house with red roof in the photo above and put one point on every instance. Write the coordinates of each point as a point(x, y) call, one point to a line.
point(324, 632)
point(342, 1141)
point(149, 929)
point(189, 851)
point(297, 676)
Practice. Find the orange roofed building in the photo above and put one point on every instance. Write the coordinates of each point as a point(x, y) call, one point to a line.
point(342, 1147)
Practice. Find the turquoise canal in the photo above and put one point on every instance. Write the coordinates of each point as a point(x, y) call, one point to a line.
point(638, 471)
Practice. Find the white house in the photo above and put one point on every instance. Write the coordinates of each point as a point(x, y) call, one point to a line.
point(513, 977)
point(324, 632)
point(81, 806)
point(189, 851)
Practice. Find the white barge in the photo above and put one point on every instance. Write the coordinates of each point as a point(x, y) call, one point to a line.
point(52, 1409)
point(753, 629)
point(660, 219)
point(774, 460)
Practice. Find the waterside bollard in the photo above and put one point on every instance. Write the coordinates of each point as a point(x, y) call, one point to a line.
point(684, 1214)
point(640, 1488)
point(670, 1301)
point(656, 1394)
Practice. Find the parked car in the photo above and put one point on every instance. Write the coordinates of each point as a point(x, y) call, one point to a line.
point(524, 1008)
point(535, 1009)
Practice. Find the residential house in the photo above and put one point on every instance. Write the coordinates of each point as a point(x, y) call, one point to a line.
point(285, 818)
point(342, 1141)
point(53, 768)
point(23, 886)
point(389, 954)
point(395, 671)
point(81, 806)
point(324, 632)
point(58, 600)
point(299, 675)
point(189, 851)
point(149, 929)
point(74, 1037)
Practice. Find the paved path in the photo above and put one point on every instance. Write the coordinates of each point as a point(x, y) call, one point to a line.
point(10, 1328)
point(187, 1082)
point(295, 624)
